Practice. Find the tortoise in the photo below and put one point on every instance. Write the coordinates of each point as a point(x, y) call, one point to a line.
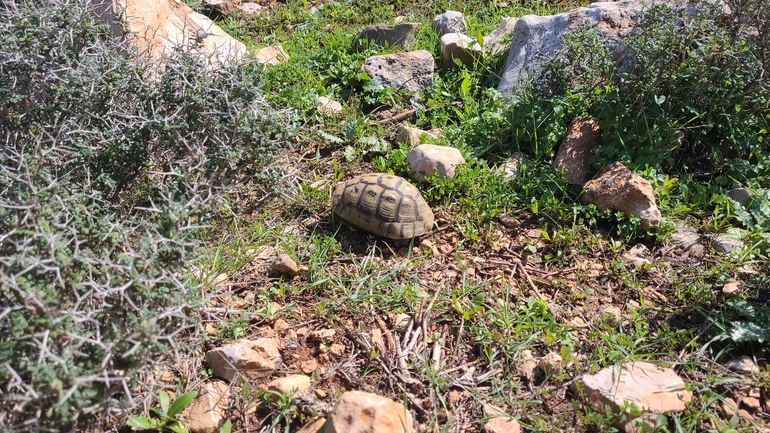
point(383, 204)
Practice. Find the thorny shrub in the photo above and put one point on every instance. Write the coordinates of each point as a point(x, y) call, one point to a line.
point(110, 172)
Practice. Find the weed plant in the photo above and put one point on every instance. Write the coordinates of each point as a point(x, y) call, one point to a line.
point(110, 172)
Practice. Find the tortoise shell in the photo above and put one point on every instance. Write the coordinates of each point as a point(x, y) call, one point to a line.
point(383, 204)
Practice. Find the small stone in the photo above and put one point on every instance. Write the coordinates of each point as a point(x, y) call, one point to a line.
point(751, 404)
point(654, 390)
point(313, 426)
point(618, 189)
point(320, 393)
point(207, 411)
point(578, 322)
point(285, 265)
point(741, 195)
point(221, 279)
point(222, 7)
point(498, 42)
point(551, 364)
point(280, 325)
point(636, 256)
point(511, 165)
point(362, 412)
point(329, 107)
point(729, 407)
point(412, 136)
point(400, 35)
point(303, 331)
point(459, 46)
point(412, 71)
point(253, 358)
point(337, 349)
point(401, 321)
point(527, 368)
point(728, 243)
point(449, 22)
point(308, 366)
point(251, 9)
point(426, 160)
point(508, 221)
point(686, 239)
point(322, 334)
point(502, 425)
point(291, 385)
point(611, 310)
point(743, 364)
point(271, 55)
point(732, 290)
point(575, 149)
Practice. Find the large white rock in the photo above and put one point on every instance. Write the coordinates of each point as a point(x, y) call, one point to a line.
point(458, 46)
point(426, 160)
point(158, 27)
point(412, 71)
point(538, 39)
point(252, 358)
point(653, 390)
point(362, 412)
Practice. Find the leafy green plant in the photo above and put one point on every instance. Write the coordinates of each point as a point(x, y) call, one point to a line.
point(165, 417)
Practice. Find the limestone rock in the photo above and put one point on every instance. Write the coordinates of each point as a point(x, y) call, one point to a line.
point(618, 189)
point(329, 107)
point(449, 22)
point(741, 195)
point(411, 135)
point(222, 7)
point(157, 28)
point(637, 256)
point(284, 264)
point(575, 150)
point(529, 364)
point(728, 242)
point(426, 160)
point(654, 390)
point(399, 35)
point(251, 9)
point(538, 39)
point(293, 384)
point(207, 411)
point(322, 334)
point(309, 366)
point(337, 349)
point(687, 239)
point(313, 426)
point(252, 358)
point(743, 364)
point(502, 425)
point(497, 43)
point(511, 165)
point(401, 321)
point(412, 71)
point(732, 290)
point(362, 412)
point(550, 364)
point(271, 55)
point(458, 46)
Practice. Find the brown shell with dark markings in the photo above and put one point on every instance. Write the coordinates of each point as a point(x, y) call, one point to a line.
point(383, 204)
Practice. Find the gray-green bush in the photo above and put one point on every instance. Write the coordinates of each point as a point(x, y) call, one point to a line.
point(110, 174)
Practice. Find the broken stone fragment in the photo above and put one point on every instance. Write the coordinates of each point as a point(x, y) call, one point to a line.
point(574, 153)
point(459, 46)
point(251, 9)
point(362, 412)
point(497, 42)
point(743, 364)
point(412, 136)
point(252, 358)
point(411, 71)
point(449, 22)
point(617, 188)
point(741, 195)
point(426, 160)
point(207, 413)
point(732, 290)
point(291, 385)
point(271, 55)
point(511, 165)
point(550, 364)
point(328, 106)
point(285, 265)
point(399, 35)
point(653, 390)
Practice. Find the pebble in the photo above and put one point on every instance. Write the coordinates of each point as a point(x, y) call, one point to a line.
point(743, 364)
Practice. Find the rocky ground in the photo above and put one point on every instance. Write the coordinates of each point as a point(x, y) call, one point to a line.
point(512, 325)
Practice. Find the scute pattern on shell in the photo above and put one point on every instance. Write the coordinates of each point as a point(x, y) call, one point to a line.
point(383, 204)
